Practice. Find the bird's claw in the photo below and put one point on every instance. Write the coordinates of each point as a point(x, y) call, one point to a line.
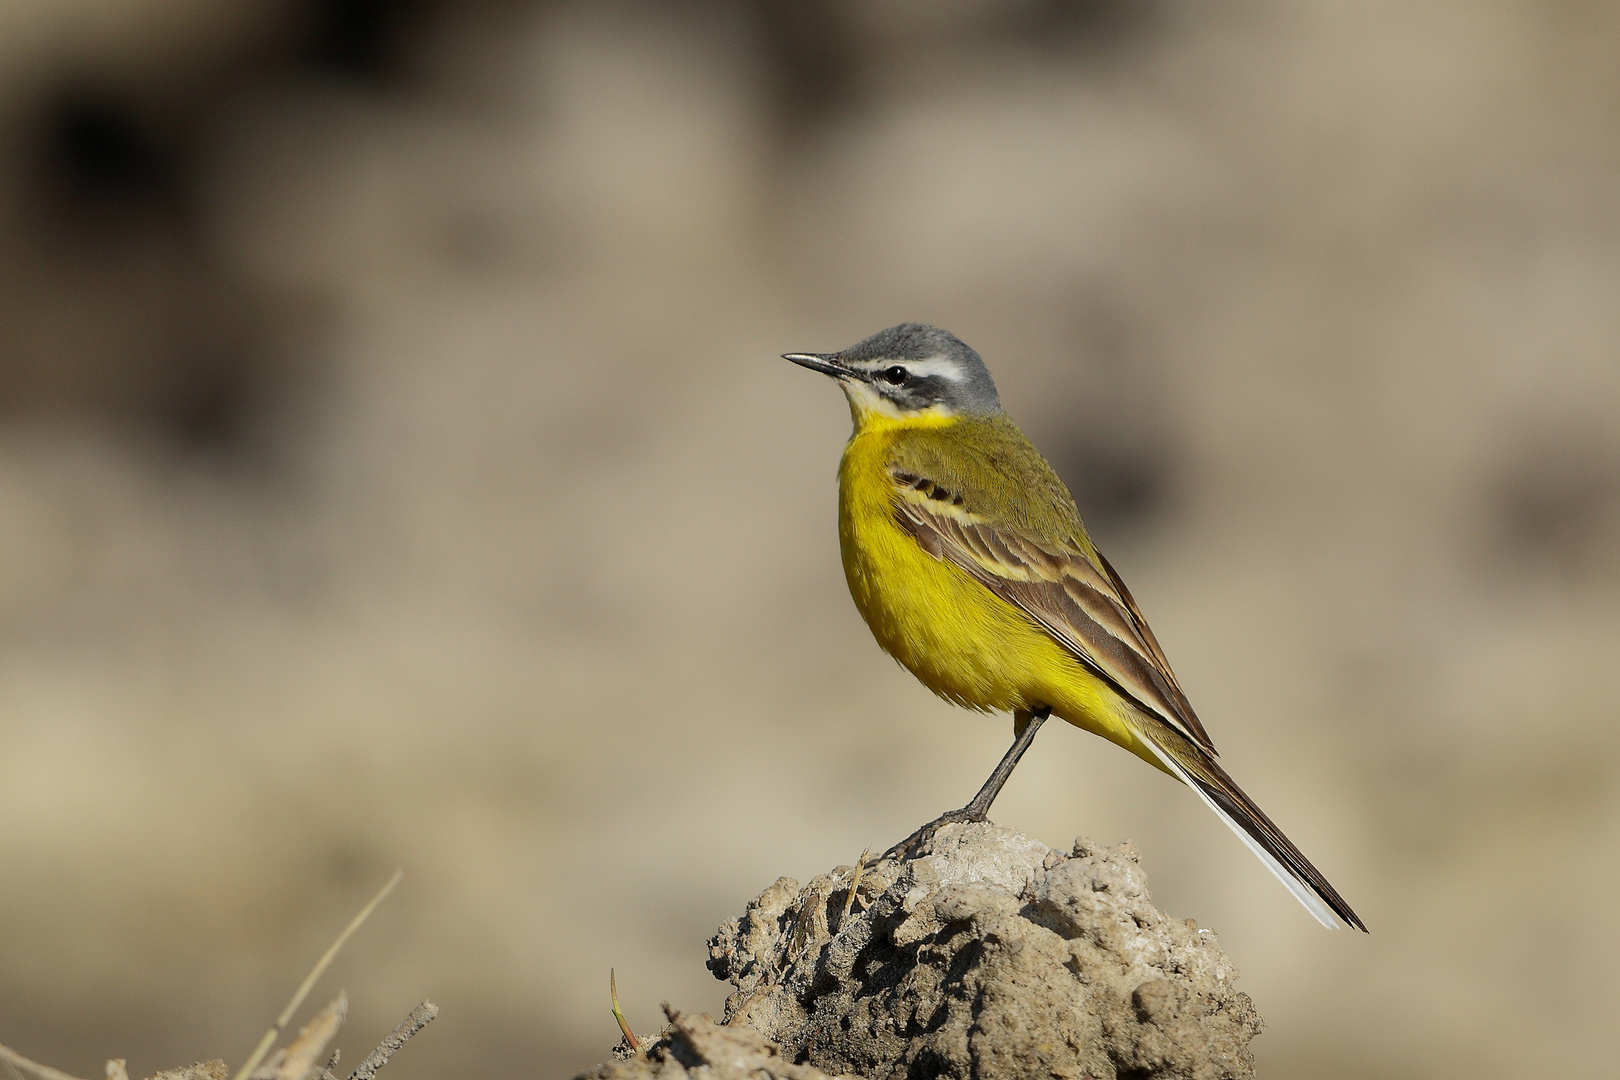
point(907, 848)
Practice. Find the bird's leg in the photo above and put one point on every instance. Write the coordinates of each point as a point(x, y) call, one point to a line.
point(1026, 722)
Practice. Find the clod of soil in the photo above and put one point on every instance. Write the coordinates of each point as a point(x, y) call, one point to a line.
point(697, 1047)
point(988, 956)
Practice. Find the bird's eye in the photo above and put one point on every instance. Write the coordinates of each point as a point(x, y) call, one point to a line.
point(895, 375)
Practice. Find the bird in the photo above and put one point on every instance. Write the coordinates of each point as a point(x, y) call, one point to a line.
point(966, 556)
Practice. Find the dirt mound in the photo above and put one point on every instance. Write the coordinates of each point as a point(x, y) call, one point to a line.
point(990, 955)
point(698, 1047)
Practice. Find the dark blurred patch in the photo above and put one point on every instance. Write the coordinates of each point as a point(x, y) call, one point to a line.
point(822, 55)
point(1120, 480)
point(1557, 504)
point(1114, 447)
point(100, 154)
point(367, 40)
point(347, 863)
point(115, 309)
point(1098, 24)
point(212, 407)
point(811, 52)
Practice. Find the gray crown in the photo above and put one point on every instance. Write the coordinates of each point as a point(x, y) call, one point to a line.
point(974, 392)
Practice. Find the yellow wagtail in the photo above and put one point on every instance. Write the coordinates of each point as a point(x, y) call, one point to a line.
point(966, 556)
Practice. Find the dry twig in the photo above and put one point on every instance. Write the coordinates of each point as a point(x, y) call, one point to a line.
point(407, 1027)
point(32, 1069)
point(297, 1061)
point(308, 984)
point(854, 883)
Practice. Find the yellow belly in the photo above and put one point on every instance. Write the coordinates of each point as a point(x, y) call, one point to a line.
point(961, 641)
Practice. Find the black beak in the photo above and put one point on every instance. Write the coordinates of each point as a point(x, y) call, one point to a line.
point(826, 363)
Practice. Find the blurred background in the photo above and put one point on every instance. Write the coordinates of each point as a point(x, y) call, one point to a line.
point(396, 469)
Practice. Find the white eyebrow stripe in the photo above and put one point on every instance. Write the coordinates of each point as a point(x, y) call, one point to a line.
point(934, 366)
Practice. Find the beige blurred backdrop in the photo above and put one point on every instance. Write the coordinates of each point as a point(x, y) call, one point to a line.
point(396, 470)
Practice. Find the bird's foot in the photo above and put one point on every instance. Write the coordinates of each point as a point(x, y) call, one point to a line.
point(907, 848)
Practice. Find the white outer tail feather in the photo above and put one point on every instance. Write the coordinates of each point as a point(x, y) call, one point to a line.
point(1300, 890)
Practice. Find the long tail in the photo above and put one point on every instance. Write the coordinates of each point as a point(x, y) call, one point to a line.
point(1200, 772)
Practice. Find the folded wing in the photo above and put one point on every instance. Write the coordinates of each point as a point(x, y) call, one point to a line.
point(1068, 588)
point(1081, 603)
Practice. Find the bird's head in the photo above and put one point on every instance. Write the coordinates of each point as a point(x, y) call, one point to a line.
point(906, 373)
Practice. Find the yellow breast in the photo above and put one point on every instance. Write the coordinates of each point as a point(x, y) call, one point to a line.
point(961, 641)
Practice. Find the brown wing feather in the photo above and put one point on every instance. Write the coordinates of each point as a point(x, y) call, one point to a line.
point(1162, 662)
point(1085, 607)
